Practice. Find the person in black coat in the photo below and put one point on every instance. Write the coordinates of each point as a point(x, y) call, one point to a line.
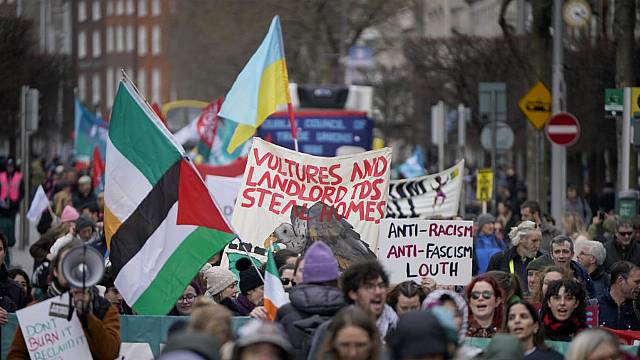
point(314, 301)
point(623, 246)
point(525, 238)
point(12, 295)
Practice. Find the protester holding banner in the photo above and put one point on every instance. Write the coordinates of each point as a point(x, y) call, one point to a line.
point(314, 301)
point(406, 296)
point(485, 307)
point(525, 239)
point(563, 310)
point(99, 319)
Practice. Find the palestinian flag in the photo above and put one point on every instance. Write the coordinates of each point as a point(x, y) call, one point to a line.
point(274, 294)
point(161, 224)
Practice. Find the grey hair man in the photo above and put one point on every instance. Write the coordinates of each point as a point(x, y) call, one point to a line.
point(591, 255)
point(525, 239)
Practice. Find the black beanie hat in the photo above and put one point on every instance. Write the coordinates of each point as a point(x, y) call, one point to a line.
point(249, 277)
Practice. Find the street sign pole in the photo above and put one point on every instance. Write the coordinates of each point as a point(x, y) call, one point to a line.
point(623, 184)
point(494, 141)
point(558, 153)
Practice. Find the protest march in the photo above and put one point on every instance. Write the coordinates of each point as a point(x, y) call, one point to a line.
point(264, 230)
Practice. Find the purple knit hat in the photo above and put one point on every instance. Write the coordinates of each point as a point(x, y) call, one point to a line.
point(319, 264)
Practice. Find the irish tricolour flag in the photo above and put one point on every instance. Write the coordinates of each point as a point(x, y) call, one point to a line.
point(161, 223)
point(274, 295)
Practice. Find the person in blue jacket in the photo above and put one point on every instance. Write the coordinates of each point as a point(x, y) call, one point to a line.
point(485, 243)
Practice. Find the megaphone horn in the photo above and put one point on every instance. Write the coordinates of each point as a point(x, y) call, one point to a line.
point(83, 266)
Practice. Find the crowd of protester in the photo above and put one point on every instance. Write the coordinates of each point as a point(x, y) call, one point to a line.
point(532, 287)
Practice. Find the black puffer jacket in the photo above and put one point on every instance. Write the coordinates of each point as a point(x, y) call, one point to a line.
point(310, 306)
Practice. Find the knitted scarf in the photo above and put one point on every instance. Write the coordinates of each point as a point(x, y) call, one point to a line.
point(555, 329)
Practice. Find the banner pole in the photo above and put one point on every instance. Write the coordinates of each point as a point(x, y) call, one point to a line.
point(292, 122)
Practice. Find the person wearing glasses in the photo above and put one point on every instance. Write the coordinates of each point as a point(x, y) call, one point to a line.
point(287, 276)
point(313, 301)
point(485, 307)
point(364, 284)
point(623, 246)
point(185, 302)
point(616, 306)
point(591, 255)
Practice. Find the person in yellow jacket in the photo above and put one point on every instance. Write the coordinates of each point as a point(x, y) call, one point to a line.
point(99, 318)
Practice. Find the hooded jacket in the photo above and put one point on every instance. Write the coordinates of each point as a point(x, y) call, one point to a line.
point(310, 306)
point(433, 299)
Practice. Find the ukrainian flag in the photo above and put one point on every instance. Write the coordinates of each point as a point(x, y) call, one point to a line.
point(259, 88)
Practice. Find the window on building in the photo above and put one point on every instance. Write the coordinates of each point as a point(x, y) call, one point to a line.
point(131, 7)
point(82, 11)
point(129, 42)
point(96, 44)
point(82, 87)
point(142, 8)
point(119, 39)
point(142, 81)
point(110, 81)
point(82, 45)
point(119, 7)
point(109, 39)
point(95, 89)
point(96, 11)
point(142, 40)
point(155, 40)
point(155, 7)
point(155, 85)
point(109, 7)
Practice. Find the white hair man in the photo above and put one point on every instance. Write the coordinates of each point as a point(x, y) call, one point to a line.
point(591, 255)
point(525, 239)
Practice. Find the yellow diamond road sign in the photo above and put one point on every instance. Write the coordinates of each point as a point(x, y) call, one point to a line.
point(536, 105)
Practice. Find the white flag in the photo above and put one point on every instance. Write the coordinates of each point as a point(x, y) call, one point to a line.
point(38, 205)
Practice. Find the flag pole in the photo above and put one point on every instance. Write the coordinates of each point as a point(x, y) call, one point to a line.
point(292, 122)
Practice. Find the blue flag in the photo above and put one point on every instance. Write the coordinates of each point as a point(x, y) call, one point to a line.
point(90, 131)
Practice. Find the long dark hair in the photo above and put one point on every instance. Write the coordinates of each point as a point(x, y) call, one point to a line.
point(13, 272)
point(538, 336)
point(571, 287)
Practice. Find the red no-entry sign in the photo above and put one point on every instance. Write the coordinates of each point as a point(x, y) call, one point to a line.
point(563, 129)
